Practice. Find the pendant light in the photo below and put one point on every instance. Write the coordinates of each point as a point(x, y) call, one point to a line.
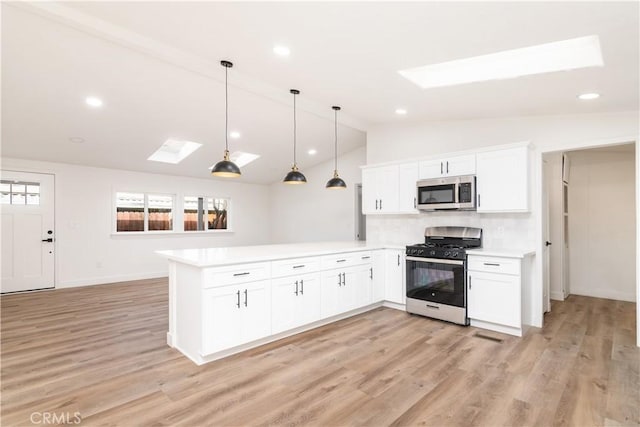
point(225, 168)
point(295, 176)
point(336, 183)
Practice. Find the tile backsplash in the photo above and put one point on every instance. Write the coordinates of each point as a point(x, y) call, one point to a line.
point(509, 231)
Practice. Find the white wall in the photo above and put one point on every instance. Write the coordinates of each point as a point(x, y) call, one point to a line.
point(87, 252)
point(310, 212)
point(602, 224)
point(547, 133)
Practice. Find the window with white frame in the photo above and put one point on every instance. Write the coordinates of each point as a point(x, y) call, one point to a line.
point(139, 212)
point(205, 213)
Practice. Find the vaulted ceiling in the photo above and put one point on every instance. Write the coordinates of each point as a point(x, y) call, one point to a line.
point(156, 66)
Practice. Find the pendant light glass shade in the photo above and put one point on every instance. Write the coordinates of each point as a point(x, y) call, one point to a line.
point(225, 168)
point(336, 183)
point(295, 176)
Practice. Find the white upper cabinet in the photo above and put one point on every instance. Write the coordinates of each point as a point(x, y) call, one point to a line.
point(389, 189)
point(450, 166)
point(408, 176)
point(380, 190)
point(502, 181)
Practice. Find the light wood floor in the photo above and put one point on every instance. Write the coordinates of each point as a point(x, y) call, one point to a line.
point(101, 351)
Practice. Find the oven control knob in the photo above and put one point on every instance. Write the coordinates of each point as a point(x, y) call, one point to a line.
point(420, 251)
point(454, 254)
point(432, 253)
point(447, 253)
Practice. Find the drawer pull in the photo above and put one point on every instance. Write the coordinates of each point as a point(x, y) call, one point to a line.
point(241, 274)
point(433, 306)
point(492, 264)
point(366, 257)
point(298, 266)
point(341, 260)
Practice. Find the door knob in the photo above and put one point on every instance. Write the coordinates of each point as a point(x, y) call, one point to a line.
point(547, 243)
point(48, 240)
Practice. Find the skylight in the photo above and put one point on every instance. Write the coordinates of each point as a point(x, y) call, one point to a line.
point(563, 55)
point(174, 151)
point(240, 158)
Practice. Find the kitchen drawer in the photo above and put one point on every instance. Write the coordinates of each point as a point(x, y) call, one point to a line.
point(494, 265)
point(289, 267)
point(231, 275)
point(346, 260)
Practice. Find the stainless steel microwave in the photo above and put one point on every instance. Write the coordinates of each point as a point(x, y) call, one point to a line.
point(455, 192)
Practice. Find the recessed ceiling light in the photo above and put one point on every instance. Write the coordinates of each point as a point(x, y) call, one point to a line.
point(234, 134)
point(544, 58)
point(587, 96)
point(401, 111)
point(312, 152)
point(93, 101)
point(174, 151)
point(281, 50)
point(76, 140)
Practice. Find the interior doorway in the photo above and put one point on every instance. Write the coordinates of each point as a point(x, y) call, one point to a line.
point(361, 219)
point(589, 201)
point(28, 255)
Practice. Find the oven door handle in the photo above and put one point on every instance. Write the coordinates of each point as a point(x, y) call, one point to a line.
point(435, 260)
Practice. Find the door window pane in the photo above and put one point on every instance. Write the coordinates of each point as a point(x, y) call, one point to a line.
point(160, 212)
point(129, 212)
point(19, 193)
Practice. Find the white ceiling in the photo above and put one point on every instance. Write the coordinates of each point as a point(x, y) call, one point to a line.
point(155, 64)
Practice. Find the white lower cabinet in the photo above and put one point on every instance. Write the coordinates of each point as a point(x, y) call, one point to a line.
point(339, 291)
point(494, 293)
point(394, 289)
point(378, 276)
point(234, 315)
point(295, 300)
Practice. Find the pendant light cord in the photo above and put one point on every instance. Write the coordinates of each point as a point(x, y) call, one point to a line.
point(294, 129)
point(226, 109)
point(336, 144)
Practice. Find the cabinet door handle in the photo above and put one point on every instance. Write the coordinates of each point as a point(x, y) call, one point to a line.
point(344, 280)
point(301, 287)
point(241, 274)
point(376, 204)
point(447, 166)
point(246, 297)
point(371, 273)
point(380, 204)
point(492, 264)
point(415, 203)
point(339, 279)
point(441, 171)
point(478, 199)
point(296, 292)
point(398, 259)
point(238, 303)
point(298, 266)
point(469, 282)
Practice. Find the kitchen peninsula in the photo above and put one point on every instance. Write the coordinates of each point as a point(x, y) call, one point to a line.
point(226, 300)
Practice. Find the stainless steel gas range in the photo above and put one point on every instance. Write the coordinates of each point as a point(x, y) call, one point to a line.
point(437, 273)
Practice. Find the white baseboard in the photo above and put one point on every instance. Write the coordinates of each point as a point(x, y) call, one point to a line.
point(557, 296)
point(109, 279)
point(394, 305)
point(604, 293)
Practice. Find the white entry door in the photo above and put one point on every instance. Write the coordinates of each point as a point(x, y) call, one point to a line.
point(26, 203)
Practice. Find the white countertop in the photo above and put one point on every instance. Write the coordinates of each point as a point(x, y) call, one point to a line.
point(502, 252)
point(215, 257)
